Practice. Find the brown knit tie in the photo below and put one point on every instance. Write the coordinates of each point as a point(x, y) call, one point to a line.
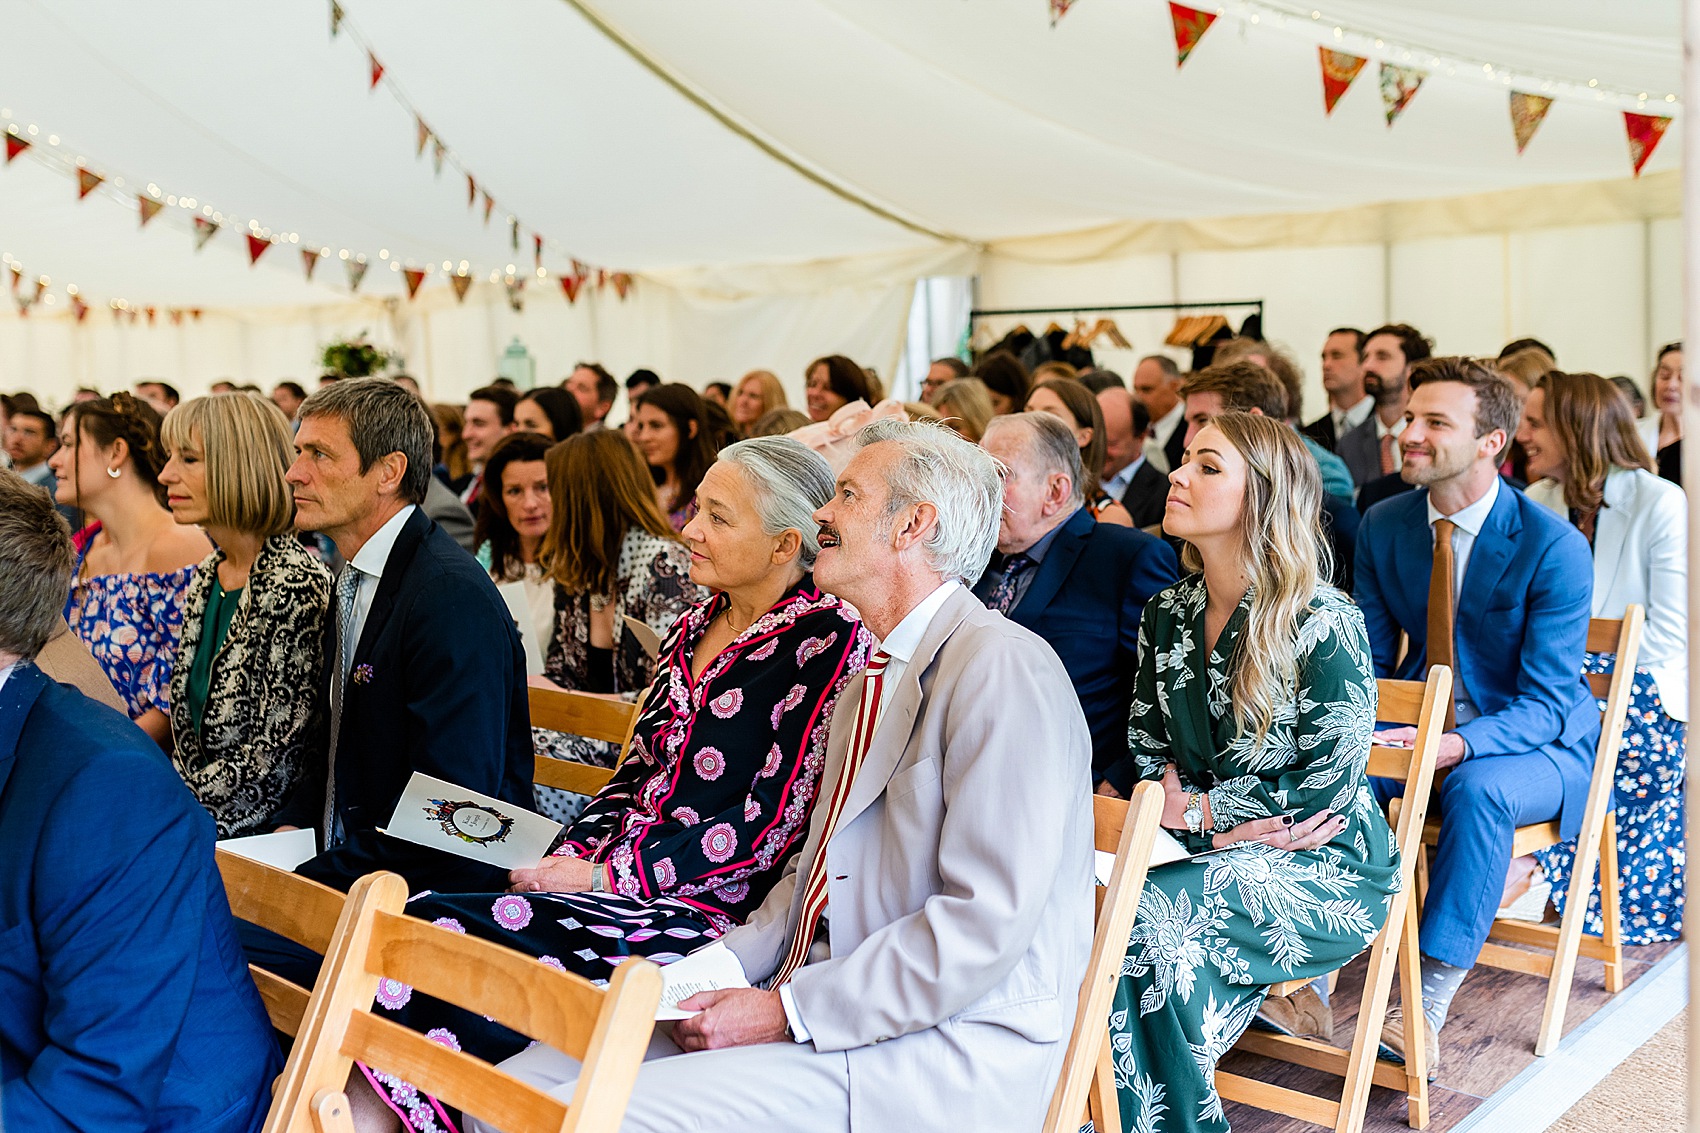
point(1442, 612)
point(1387, 466)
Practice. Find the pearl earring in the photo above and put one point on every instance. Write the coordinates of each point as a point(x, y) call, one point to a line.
point(113, 472)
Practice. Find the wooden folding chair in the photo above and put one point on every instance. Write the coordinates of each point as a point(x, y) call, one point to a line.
point(1401, 702)
point(608, 1030)
point(580, 714)
point(1596, 845)
point(1087, 1084)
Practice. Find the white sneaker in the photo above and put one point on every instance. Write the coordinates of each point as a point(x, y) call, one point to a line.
point(1530, 907)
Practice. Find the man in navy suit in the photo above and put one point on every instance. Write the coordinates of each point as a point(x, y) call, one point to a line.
point(1521, 583)
point(423, 665)
point(1079, 584)
point(127, 1005)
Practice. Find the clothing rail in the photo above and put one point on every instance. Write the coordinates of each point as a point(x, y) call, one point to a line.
point(994, 312)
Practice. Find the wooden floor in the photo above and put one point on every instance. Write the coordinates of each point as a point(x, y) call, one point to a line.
point(1489, 1038)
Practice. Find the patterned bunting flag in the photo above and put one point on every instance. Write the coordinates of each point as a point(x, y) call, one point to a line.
point(336, 18)
point(150, 208)
point(1527, 111)
point(14, 146)
point(153, 313)
point(1190, 26)
point(537, 248)
point(570, 285)
point(1645, 132)
point(516, 293)
point(460, 283)
point(1059, 9)
point(471, 190)
point(423, 133)
point(176, 317)
point(622, 283)
point(414, 277)
point(1338, 71)
point(513, 233)
point(356, 273)
point(1398, 86)
point(437, 152)
point(87, 181)
point(79, 308)
point(489, 203)
point(257, 246)
point(309, 261)
point(376, 67)
point(204, 230)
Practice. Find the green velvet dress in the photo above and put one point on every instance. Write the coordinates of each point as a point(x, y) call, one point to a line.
point(1214, 932)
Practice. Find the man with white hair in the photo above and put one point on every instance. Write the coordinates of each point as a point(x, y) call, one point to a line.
point(953, 865)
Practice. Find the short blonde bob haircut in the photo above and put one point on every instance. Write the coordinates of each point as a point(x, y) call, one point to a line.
point(244, 441)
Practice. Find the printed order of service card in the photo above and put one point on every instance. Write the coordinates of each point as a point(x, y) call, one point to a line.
point(439, 814)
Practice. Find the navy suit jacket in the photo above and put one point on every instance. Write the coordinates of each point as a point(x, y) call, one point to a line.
point(437, 684)
point(125, 1000)
point(1085, 600)
point(1521, 625)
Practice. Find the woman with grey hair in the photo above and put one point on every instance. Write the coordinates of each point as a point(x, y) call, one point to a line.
point(724, 768)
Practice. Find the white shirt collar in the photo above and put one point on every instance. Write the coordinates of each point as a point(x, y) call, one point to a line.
point(371, 557)
point(1118, 483)
point(1166, 424)
point(1351, 417)
point(1469, 519)
point(6, 673)
point(1382, 430)
point(902, 642)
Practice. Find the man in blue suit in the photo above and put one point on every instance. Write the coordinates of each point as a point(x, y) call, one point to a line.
point(127, 1006)
point(1505, 601)
point(1079, 584)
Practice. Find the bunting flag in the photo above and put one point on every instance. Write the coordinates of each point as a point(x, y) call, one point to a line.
point(1338, 71)
point(150, 208)
point(489, 204)
point(356, 273)
point(1059, 9)
point(79, 308)
point(1645, 132)
point(17, 274)
point(423, 135)
point(309, 261)
point(257, 246)
point(516, 293)
point(513, 233)
point(176, 317)
point(537, 248)
point(204, 230)
point(1398, 87)
point(622, 283)
point(336, 18)
point(437, 152)
point(152, 313)
point(570, 285)
point(376, 68)
point(1190, 26)
point(14, 146)
point(471, 190)
point(87, 181)
point(460, 283)
point(195, 313)
point(1527, 111)
point(414, 277)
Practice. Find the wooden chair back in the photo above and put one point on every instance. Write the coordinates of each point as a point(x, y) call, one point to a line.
point(290, 905)
point(608, 1030)
point(1399, 702)
point(580, 714)
point(1125, 829)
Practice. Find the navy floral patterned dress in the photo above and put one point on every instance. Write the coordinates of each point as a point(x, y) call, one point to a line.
point(131, 623)
point(696, 825)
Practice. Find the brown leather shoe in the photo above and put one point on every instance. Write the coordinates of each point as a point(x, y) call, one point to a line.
point(1301, 1014)
point(1393, 1040)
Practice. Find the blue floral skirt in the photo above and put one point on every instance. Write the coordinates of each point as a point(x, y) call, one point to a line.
point(1650, 861)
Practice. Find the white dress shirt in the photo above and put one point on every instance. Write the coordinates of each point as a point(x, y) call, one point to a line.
point(370, 561)
point(1468, 522)
point(1398, 430)
point(1345, 420)
point(1161, 430)
point(900, 646)
point(6, 673)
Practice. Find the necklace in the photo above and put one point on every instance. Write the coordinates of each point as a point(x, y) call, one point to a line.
point(727, 614)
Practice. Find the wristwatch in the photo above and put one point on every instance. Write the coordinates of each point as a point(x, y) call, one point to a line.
point(1194, 813)
point(599, 879)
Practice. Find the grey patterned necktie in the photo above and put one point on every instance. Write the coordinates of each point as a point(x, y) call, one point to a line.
point(347, 586)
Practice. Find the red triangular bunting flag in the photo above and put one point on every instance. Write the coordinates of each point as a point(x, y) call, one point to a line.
point(1059, 9)
point(152, 311)
point(176, 318)
point(377, 69)
point(437, 152)
point(1645, 132)
point(414, 277)
point(356, 273)
point(14, 146)
point(570, 285)
point(150, 208)
point(1527, 111)
point(204, 230)
point(195, 313)
point(1190, 26)
point(336, 18)
point(1338, 71)
point(309, 260)
point(79, 308)
point(513, 233)
point(489, 203)
point(516, 293)
point(471, 190)
point(23, 305)
point(257, 246)
point(424, 133)
point(460, 283)
point(17, 275)
point(537, 247)
point(86, 182)
point(622, 283)
point(1398, 87)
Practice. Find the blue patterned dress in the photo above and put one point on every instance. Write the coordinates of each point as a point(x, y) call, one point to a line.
point(131, 623)
point(696, 825)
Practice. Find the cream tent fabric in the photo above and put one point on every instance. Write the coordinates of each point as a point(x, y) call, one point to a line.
point(777, 172)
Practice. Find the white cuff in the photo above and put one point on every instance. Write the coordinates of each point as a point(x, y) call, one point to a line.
point(798, 1032)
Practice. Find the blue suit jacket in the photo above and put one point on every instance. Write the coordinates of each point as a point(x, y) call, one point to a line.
point(125, 1001)
point(1085, 601)
point(1522, 623)
point(437, 684)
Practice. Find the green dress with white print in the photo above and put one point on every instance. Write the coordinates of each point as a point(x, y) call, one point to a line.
point(1213, 933)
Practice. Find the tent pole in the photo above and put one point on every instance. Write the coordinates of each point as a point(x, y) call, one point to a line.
point(1689, 123)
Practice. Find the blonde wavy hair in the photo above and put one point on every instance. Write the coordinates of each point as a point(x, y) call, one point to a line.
point(1287, 557)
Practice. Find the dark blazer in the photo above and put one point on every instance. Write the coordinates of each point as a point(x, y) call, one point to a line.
point(1321, 431)
point(127, 1001)
point(1085, 601)
point(1146, 496)
point(1360, 448)
point(1175, 447)
point(1522, 621)
point(437, 684)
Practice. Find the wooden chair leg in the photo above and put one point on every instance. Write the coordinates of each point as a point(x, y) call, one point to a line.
point(1102, 1106)
point(1589, 855)
point(1611, 907)
point(1420, 896)
point(1411, 995)
point(331, 1113)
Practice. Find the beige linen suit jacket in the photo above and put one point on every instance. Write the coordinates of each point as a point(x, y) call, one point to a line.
point(959, 886)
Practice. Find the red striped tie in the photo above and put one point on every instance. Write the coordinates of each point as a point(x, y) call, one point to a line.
point(814, 889)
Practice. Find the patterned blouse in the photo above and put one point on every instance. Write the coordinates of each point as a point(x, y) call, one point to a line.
point(251, 748)
point(723, 771)
point(131, 623)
